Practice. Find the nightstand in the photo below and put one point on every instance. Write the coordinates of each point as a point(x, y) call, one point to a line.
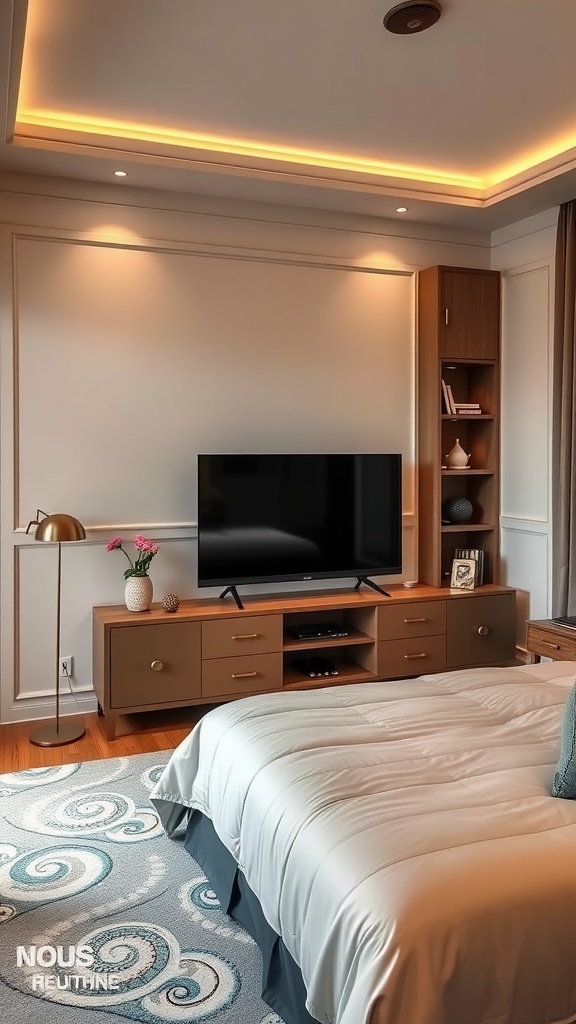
point(547, 640)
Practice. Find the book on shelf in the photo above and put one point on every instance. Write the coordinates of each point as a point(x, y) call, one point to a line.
point(448, 403)
point(478, 555)
point(460, 411)
point(467, 405)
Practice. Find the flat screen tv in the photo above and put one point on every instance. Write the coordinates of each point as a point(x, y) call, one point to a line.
point(270, 518)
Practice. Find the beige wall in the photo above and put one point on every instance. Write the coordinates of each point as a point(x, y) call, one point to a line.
point(524, 253)
point(139, 329)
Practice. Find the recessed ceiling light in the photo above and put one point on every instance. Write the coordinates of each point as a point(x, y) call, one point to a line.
point(121, 174)
point(401, 209)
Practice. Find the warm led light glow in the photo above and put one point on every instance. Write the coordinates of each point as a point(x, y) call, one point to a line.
point(65, 126)
point(121, 174)
point(565, 144)
point(401, 209)
point(63, 123)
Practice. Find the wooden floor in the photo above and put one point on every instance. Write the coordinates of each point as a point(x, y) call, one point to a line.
point(136, 734)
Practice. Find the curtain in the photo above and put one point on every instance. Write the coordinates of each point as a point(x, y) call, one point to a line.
point(564, 417)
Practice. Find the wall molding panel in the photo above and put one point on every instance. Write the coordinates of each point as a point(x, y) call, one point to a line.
point(98, 319)
point(527, 264)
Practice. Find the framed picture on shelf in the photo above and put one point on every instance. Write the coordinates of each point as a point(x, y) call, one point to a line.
point(478, 555)
point(463, 574)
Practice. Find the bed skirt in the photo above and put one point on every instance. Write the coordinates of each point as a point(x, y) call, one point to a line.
point(282, 985)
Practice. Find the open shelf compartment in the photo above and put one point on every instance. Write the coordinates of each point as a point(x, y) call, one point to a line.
point(358, 623)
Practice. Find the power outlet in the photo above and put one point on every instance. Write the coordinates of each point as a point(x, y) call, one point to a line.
point(66, 667)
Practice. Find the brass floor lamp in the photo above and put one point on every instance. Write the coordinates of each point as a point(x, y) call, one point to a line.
point(57, 529)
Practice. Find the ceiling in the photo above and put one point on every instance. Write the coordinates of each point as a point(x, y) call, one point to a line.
point(306, 102)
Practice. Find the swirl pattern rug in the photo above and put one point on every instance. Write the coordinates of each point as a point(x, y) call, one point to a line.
point(102, 917)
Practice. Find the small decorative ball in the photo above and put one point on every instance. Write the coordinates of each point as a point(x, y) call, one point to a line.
point(457, 510)
point(170, 603)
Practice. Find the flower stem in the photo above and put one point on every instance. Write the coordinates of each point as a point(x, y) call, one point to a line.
point(127, 556)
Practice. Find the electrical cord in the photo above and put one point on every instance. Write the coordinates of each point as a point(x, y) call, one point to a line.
point(69, 678)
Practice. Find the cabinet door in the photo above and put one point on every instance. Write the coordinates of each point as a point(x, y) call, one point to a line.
point(154, 665)
point(480, 630)
point(469, 315)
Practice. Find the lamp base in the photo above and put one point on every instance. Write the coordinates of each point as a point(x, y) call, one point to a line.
point(50, 736)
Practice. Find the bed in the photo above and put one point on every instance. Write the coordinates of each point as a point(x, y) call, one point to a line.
point(401, 842)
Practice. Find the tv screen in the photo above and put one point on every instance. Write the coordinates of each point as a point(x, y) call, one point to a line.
point(267, 518)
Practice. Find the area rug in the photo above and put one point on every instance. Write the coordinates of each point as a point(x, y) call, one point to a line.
point(102, 916)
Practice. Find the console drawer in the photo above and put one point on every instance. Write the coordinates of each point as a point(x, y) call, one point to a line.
point(250, 674)
point(240, 635)
point(411, 657)
point(155, 664)
point(423, 618)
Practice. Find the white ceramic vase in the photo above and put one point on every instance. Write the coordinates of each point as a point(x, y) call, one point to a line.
point(138, 593)
point(457, 458)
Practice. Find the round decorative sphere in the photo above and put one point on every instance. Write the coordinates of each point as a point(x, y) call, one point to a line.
point(170, 603)
point(457, 510)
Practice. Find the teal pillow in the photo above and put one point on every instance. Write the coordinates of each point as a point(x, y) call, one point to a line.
point(565, 776)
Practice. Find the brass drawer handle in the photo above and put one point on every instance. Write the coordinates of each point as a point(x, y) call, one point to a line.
point(546, 643)
point(157, 666)
point(410, 657)
point(244, 675)
point(483, 630)
point(245, 636)
point(421, 619)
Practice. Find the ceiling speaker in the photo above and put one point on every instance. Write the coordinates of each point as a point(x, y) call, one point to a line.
point(407, 18)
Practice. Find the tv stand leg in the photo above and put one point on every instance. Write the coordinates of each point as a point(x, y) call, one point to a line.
point(370, 583)
point(235, 595)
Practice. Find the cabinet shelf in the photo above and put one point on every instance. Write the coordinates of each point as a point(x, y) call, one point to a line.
point(468, 472)
point(469, 418)
point(348, 672)
point(465, 527)
point(354, 637)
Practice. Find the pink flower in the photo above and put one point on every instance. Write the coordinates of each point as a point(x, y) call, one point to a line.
point(141, 542)
point(145, 553)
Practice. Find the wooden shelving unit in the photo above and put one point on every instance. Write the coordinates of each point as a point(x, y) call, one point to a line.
point(458, 342)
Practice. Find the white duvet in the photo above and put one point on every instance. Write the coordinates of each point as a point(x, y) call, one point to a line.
point(402, 840)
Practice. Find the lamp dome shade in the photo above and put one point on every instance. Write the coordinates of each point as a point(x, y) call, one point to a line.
point(60, 527)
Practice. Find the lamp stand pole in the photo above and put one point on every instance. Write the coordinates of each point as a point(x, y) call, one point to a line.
point(56, 734)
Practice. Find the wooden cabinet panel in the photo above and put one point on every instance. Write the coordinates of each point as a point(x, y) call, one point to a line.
point(481, 630)
point(241, 635)
point(413, 656)
point(222, 677)
point(470, 314)
point(420, 619)
point(154, 665)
